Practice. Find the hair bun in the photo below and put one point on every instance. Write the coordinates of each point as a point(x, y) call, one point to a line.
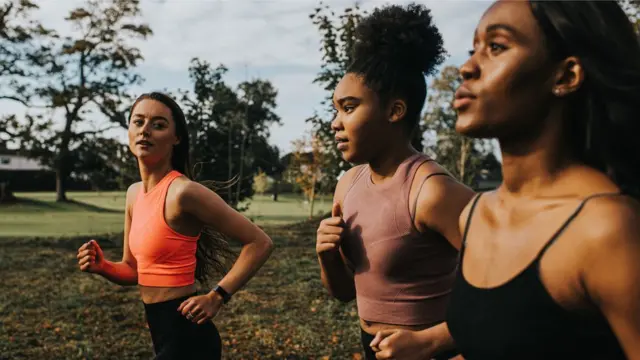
point(405, 36)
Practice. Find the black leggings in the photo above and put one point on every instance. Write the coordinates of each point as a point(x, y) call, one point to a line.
point(369, 354)
point(176, 337)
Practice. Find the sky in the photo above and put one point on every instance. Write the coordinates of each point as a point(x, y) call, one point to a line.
point(273, 40)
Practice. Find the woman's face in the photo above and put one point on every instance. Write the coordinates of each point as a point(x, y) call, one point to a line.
point(361, 124)
point(152, 132)
point(508, 79)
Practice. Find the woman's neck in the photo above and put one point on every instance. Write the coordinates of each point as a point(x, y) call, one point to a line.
point(530, 167)
point(152, 174)
point(386, 164)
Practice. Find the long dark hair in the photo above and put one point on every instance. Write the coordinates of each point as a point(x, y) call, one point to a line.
point(395, 48)
point(214, 253)
point(602, 122)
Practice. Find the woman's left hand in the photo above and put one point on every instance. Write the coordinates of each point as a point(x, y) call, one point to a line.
point(400, 344)
point(201, 308)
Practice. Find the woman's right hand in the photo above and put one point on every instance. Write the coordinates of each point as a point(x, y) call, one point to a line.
point(90, 257)
point(330, 232)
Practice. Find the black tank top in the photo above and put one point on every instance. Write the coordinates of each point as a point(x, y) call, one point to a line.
point(520, 319)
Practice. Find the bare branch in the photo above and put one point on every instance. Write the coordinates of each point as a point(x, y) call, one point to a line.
point(94, 132)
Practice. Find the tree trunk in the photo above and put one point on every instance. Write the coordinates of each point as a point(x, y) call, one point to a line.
point(275, 189)
point(61, 163)
point(312, 199)
point(230, 162)
point(416, 140)
point(464, 150)
point(6, 195)
point(240, 171)
point(245, 130)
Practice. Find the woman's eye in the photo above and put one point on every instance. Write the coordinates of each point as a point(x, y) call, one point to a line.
point(495, 47)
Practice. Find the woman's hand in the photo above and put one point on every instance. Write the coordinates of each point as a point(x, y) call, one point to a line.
point(90, 257)
point(401, 344)
point(201, 308)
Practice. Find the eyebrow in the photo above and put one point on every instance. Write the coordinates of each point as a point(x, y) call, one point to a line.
point(348, 98)
point(137, 115)
point(495, 27)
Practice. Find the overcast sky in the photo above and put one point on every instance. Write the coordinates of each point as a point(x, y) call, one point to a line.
point(273, 40)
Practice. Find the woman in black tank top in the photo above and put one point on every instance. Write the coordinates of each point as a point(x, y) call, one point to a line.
point(550, 263)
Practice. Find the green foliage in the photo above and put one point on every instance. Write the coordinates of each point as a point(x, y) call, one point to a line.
point(632, 8)
point(460, 155)
point(229, 129)
point(260, 182)
point(87, 70)
point(338, 36)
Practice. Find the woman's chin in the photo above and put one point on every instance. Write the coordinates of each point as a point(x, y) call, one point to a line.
point(470, 127)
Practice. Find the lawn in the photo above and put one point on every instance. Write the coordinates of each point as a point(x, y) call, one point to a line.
point(89, 213)
point(51, 310)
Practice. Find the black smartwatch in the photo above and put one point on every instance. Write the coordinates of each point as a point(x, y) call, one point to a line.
point(225, 295)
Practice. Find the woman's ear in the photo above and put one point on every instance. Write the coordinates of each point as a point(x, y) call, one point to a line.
point(397, 111)
point(569, 77)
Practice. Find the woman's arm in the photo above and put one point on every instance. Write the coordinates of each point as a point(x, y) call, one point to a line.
point(611, 271)
point(205, 205)
point(335, 272)
point(441, 201)
point(125, 271)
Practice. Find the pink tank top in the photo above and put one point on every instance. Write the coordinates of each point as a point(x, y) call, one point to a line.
point(165, 257)
point(402, 277)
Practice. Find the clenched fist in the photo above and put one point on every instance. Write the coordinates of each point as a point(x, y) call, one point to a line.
point(90, 257)
point(330, 232)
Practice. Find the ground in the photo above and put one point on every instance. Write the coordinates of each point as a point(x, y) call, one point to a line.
point(51, 310)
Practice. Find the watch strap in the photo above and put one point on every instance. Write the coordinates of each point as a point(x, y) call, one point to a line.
point(225, 295)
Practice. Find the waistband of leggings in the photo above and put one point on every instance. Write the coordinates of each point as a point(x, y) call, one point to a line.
point(162, 306)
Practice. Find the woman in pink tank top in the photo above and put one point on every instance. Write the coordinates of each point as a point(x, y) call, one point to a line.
point(391, 243)
point(175, 233)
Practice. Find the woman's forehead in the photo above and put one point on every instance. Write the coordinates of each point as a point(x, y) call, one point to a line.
point(514, 14)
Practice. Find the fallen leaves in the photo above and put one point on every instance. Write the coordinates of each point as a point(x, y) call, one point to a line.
point(53, 311)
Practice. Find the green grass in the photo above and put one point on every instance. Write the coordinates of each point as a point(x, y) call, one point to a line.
point(51, 310)
point(91, 213)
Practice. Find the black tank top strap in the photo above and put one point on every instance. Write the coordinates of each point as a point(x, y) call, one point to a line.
point(468, 222)
point(466, 228)
point(568, 222)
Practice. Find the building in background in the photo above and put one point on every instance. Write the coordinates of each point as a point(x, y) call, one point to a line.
point(21, 173)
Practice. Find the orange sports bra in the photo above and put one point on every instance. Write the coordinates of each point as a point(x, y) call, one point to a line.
point(165, 258)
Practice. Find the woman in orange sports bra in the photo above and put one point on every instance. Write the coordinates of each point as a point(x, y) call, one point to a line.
point(170, 241)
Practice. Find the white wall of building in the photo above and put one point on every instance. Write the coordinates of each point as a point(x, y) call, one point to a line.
point(17, 162)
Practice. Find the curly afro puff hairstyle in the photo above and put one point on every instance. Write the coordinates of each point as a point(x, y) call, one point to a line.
point(396, 47)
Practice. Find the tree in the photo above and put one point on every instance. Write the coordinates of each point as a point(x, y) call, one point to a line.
point(259, 102)
point(87, 71)
point(306, 166)
point(632, 8)
point(260, 182)
point(338, 37)
point(229, 128)
point(267, 158)
point(18, 34)
point(460, 155)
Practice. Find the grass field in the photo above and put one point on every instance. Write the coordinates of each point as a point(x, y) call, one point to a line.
point(51, 310)
point(99, 213)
